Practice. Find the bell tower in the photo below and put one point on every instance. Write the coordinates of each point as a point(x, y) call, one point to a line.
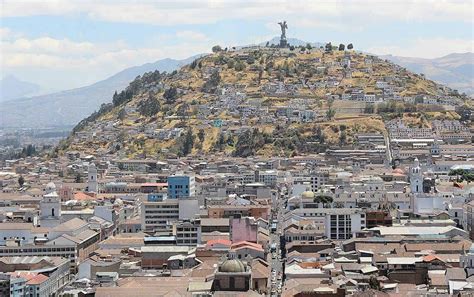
point(416, 177)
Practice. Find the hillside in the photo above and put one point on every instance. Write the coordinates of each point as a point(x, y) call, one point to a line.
point(67, 108)
point(454, 70)
point(257, 101)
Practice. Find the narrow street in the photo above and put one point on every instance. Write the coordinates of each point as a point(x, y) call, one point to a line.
point(276, 276)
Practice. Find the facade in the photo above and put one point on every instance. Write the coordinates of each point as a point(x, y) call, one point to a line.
point(188, 232)
point(416, 178)
point(343, 224)
point(92, 183)
point(159, 216)
point(50, 207)
point(181, 187)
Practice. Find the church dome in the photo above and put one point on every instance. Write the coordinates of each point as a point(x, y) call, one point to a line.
point(308, 195)
point(232, 265)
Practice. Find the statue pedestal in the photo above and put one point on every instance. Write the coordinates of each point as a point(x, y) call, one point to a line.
point(283, 43)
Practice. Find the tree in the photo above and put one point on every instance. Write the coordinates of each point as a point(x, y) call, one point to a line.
point(350, 46)
point(122, 114)
point(201, 135)
point(216, 48)
point(324, 199)
point(342, 138)
point(219, 145)
point(462, 175)
point(328, 47)
point(188, 143)
point(170, 95)
point(330, 113)
point(309, 46)
point(78, 178)
point(239, 66)
point(21, 181)
point(211, 84)
point(341, 47)
point(374, 283)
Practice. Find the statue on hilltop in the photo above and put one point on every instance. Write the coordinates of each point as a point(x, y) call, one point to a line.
point(283, 27)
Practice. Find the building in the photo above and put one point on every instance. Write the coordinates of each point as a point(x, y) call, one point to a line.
point(188, 232)
point(50, 207)
point(343, 223)
point(45, 276)
point(92, 183)
point(161, 215)
point(378, 218)
point(181, 186)
point(232, 275)
point(416, 178)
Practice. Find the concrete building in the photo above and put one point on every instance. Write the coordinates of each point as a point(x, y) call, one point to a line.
point(159, 216)
point(343, 223)
point(50, 207)
point(181, 186)
point(92, 182)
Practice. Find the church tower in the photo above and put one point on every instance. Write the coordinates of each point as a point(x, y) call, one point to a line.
point(50, 207)
point(416, 178)
point(92, 184)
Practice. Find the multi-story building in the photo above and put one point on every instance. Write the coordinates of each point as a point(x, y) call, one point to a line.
point(343, 223)
point(181, 186)
point(188, 232)
point(159, 216)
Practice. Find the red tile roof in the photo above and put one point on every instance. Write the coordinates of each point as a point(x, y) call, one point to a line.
point(39, 279)
point(213, 242)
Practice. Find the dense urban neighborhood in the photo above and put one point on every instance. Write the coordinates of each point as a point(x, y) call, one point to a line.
point(271, 170)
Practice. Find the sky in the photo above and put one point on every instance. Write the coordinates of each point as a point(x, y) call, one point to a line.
point(63, 44)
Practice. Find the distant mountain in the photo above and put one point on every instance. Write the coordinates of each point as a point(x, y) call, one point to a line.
point(12, 88)
point(453, 70)
point(291, 41)
point(69, 107)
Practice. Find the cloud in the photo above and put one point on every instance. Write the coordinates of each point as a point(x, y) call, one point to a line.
point(191, 35)
point(426, 48)
point(206, 12)
point(70, 64)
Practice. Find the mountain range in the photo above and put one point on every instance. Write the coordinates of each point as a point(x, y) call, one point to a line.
point(11, 88)
point(454, 70)
point(66, 108)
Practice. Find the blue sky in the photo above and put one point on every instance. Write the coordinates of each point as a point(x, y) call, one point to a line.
point(64, 44)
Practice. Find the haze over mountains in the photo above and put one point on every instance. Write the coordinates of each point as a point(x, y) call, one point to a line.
point(67, 108)
point(455, 70)
point(12, 88)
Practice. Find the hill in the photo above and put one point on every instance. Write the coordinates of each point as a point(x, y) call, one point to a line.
point(257, 101)
point(13, 88)
point(453, 70)
point(67, 108)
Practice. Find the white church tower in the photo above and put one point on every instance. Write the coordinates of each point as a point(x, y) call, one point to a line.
point(50, 207)
point(92, 184)
point(416, 178)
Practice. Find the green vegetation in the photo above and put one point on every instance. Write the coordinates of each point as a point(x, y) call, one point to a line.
point(149, 107)
point(462, 175)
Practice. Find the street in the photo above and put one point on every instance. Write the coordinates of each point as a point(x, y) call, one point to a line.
point(276, 277)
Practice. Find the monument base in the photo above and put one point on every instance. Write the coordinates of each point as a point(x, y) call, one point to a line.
point(283, 43)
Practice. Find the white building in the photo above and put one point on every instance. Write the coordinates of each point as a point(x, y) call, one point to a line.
point(416, 178)
point(92, 183)
point(50, 207)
